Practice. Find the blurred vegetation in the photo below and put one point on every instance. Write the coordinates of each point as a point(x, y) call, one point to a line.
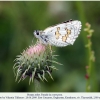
point(19, 19)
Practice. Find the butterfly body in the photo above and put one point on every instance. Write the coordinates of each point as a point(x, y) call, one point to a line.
point(60, 35)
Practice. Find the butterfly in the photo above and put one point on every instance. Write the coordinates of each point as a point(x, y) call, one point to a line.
point(60, 35)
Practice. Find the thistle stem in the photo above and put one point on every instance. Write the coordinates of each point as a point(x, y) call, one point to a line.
point(37, 85)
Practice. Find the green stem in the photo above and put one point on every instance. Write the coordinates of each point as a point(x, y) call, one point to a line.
point(91, 83)
point(37, 85)
point(88, 86)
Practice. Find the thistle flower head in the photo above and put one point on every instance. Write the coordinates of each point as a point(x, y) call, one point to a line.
point(35, 62)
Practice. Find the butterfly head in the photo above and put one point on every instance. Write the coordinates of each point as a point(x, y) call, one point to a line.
point(37, 33)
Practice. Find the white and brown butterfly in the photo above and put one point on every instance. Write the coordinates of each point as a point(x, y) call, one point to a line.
point(60, 35)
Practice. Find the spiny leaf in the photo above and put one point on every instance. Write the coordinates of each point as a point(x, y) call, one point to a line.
point(30, 80)
point(55, 62)
point(53, 67)
point(44, 75)
point(18, 74)
point(50, 75)
point(33, 74)
point(40, 77)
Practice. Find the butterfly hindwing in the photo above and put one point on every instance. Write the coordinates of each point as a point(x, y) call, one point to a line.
point(63, 34)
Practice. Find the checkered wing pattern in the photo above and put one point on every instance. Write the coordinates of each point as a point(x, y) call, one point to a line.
point(63, 34)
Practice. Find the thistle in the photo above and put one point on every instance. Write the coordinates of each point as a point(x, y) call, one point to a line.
point(35, 62)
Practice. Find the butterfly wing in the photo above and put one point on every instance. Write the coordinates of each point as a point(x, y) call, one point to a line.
point(63, 34)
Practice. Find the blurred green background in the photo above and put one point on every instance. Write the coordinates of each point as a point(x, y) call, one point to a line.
point(19, 19)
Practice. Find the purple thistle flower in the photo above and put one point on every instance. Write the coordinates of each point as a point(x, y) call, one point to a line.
point(35, 62)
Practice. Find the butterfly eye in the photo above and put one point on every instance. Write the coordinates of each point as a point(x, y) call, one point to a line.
point(37, 32)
